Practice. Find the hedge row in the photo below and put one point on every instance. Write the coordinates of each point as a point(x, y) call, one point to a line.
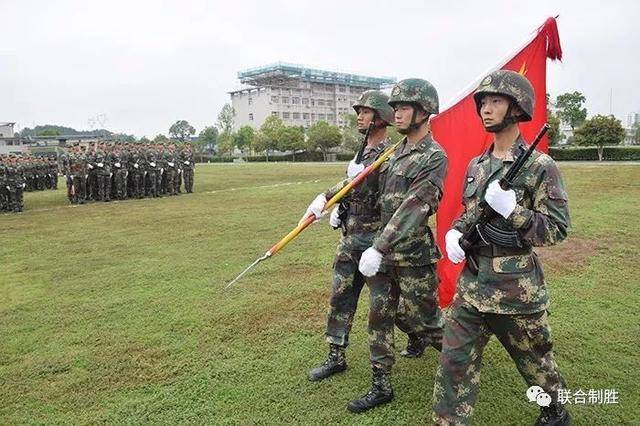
point(610, 153)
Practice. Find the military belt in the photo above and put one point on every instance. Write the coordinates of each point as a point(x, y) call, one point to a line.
point(499, 251)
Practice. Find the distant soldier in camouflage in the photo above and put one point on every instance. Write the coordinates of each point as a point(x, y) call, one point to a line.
point(103, 175)
point(120, 174)
point(188, 168)
point(401, 261)
point(152, 174)
point(359, 217)
point(508, 296)
point(4, 184)
point(15, 184)
point(78, 168)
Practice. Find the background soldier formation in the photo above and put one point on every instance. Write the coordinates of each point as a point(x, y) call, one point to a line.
point(104, 171)
point(386, 234)
point(19, 173)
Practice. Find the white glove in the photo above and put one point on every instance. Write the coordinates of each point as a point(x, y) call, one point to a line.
point(316, 207)
point(370, 262)
point(354, 169)
point(454, 251)
point(500, 200)
point(334, 220)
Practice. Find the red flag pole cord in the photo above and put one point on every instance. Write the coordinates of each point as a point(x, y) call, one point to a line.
point(554, 51)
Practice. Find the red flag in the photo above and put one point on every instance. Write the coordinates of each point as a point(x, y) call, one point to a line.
point(459, 130)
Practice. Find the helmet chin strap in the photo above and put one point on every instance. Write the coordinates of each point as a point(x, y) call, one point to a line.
point(506, 121)
point(376, 116)
point(414, 124)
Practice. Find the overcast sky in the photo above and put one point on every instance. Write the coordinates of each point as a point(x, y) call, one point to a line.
point(146, 64)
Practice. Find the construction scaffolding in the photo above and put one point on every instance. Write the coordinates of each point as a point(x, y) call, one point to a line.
point(281, 73)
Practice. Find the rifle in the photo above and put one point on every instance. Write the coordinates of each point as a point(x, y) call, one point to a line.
point(343, 207)
point(470, 238)
point(364, 143)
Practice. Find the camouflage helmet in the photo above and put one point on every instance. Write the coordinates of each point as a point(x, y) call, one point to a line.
point(377, 101)
point(511, 84)
point(415, 91)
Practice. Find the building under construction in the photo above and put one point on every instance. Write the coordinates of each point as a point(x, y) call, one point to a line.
point(300, 96)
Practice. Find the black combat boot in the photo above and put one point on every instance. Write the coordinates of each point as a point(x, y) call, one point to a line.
point(415, 346)
point(336, 362)
point(380, 392)
point(553, 415)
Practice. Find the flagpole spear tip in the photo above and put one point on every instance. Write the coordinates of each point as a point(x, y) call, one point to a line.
point(258, 260)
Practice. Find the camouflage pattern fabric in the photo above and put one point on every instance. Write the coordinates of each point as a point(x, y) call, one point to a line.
point(377, 101)
point(527, 339)
point(406, 296)
point(416, 91)
point(362, 224)
point(511, 84)
point(411, 189)
point(511, 282)
point(508, 296)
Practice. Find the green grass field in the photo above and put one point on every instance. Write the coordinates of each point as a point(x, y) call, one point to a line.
point(117, 313)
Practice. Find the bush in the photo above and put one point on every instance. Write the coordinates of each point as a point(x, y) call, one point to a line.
point(218, 160)
point(306, 156)
point(590, 153)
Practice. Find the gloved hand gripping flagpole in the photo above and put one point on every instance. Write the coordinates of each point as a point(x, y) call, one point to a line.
point(312, 218)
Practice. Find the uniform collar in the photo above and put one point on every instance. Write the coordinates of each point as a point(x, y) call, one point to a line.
point(518, 146)
point(420, 145)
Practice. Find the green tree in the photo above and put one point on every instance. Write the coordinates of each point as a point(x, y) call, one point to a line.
point(225, 143)
point(181, 130)
point(244, 138)
point(570, 110)
point(144, 140)
point(636, 133)
point(49, 132)
point(161, 139)
point(600, 131)
point(324, 136)
point(291, 139)
point(269, 135)
point(554, 134)
point(226, 118)
point(207, 140)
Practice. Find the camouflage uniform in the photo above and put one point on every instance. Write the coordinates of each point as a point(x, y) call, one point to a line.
point(4, 183)
point(360, 221)
point(362, 224)
point(15, 183)
point(404, 288)
point(120, 176)
point(152, 175)
point(508, 296)
point(78, 170)
point(103, 175)
point(411, 188)
point(188, 167)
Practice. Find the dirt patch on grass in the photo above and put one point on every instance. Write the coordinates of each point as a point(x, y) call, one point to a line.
point(568, 255)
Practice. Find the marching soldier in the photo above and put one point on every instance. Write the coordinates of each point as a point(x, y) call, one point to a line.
point(506, 296)
point(359, 218)
point(400, 264)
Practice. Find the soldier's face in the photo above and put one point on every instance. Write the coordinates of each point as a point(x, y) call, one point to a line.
point(493, 109)
point(403, 115)
point(365, 116)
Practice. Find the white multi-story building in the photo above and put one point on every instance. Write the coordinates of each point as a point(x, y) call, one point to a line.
point(299, 96)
